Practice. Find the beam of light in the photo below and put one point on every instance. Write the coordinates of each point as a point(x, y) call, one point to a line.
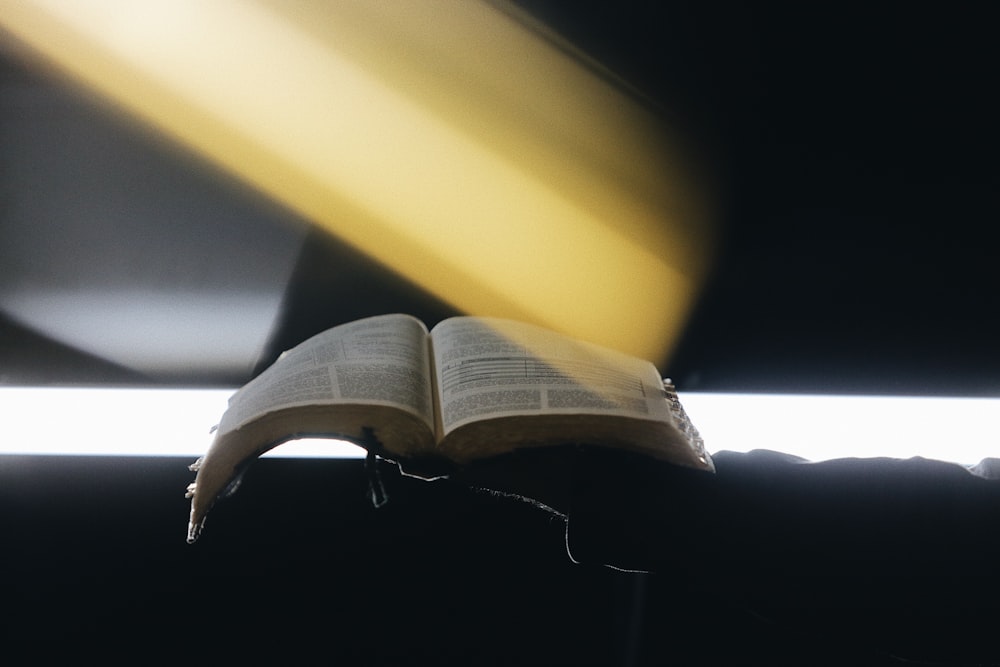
point(818, 428)
point(446, 139)
point(83, 421)
point(174, 422)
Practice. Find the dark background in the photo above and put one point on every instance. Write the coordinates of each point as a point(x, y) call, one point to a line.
point(853, 147)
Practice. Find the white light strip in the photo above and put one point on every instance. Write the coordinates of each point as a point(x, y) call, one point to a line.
point(127, 422)
point(174, 422)
point(819, 428)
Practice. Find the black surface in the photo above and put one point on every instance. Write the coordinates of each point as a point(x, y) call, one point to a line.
point(298, 566)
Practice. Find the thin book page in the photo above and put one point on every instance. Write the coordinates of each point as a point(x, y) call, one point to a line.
point(488, 367)
point(381, 360)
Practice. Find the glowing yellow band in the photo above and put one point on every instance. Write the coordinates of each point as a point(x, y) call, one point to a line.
point(444, 139)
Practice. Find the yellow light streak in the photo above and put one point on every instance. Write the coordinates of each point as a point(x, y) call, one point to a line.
point(443, 138)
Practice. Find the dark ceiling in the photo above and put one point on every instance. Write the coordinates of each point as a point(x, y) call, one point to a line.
point(854, 157)
point(854, 149)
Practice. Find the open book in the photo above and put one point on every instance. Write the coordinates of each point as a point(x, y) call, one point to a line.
point(471, 388)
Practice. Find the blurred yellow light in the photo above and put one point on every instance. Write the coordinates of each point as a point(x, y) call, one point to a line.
point(445, 139)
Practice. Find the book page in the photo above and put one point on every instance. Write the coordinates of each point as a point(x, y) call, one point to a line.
point(488, 367)
point(380, 360)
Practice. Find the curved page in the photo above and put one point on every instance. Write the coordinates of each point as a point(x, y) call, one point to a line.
point(380, 360)
point(489, 367)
